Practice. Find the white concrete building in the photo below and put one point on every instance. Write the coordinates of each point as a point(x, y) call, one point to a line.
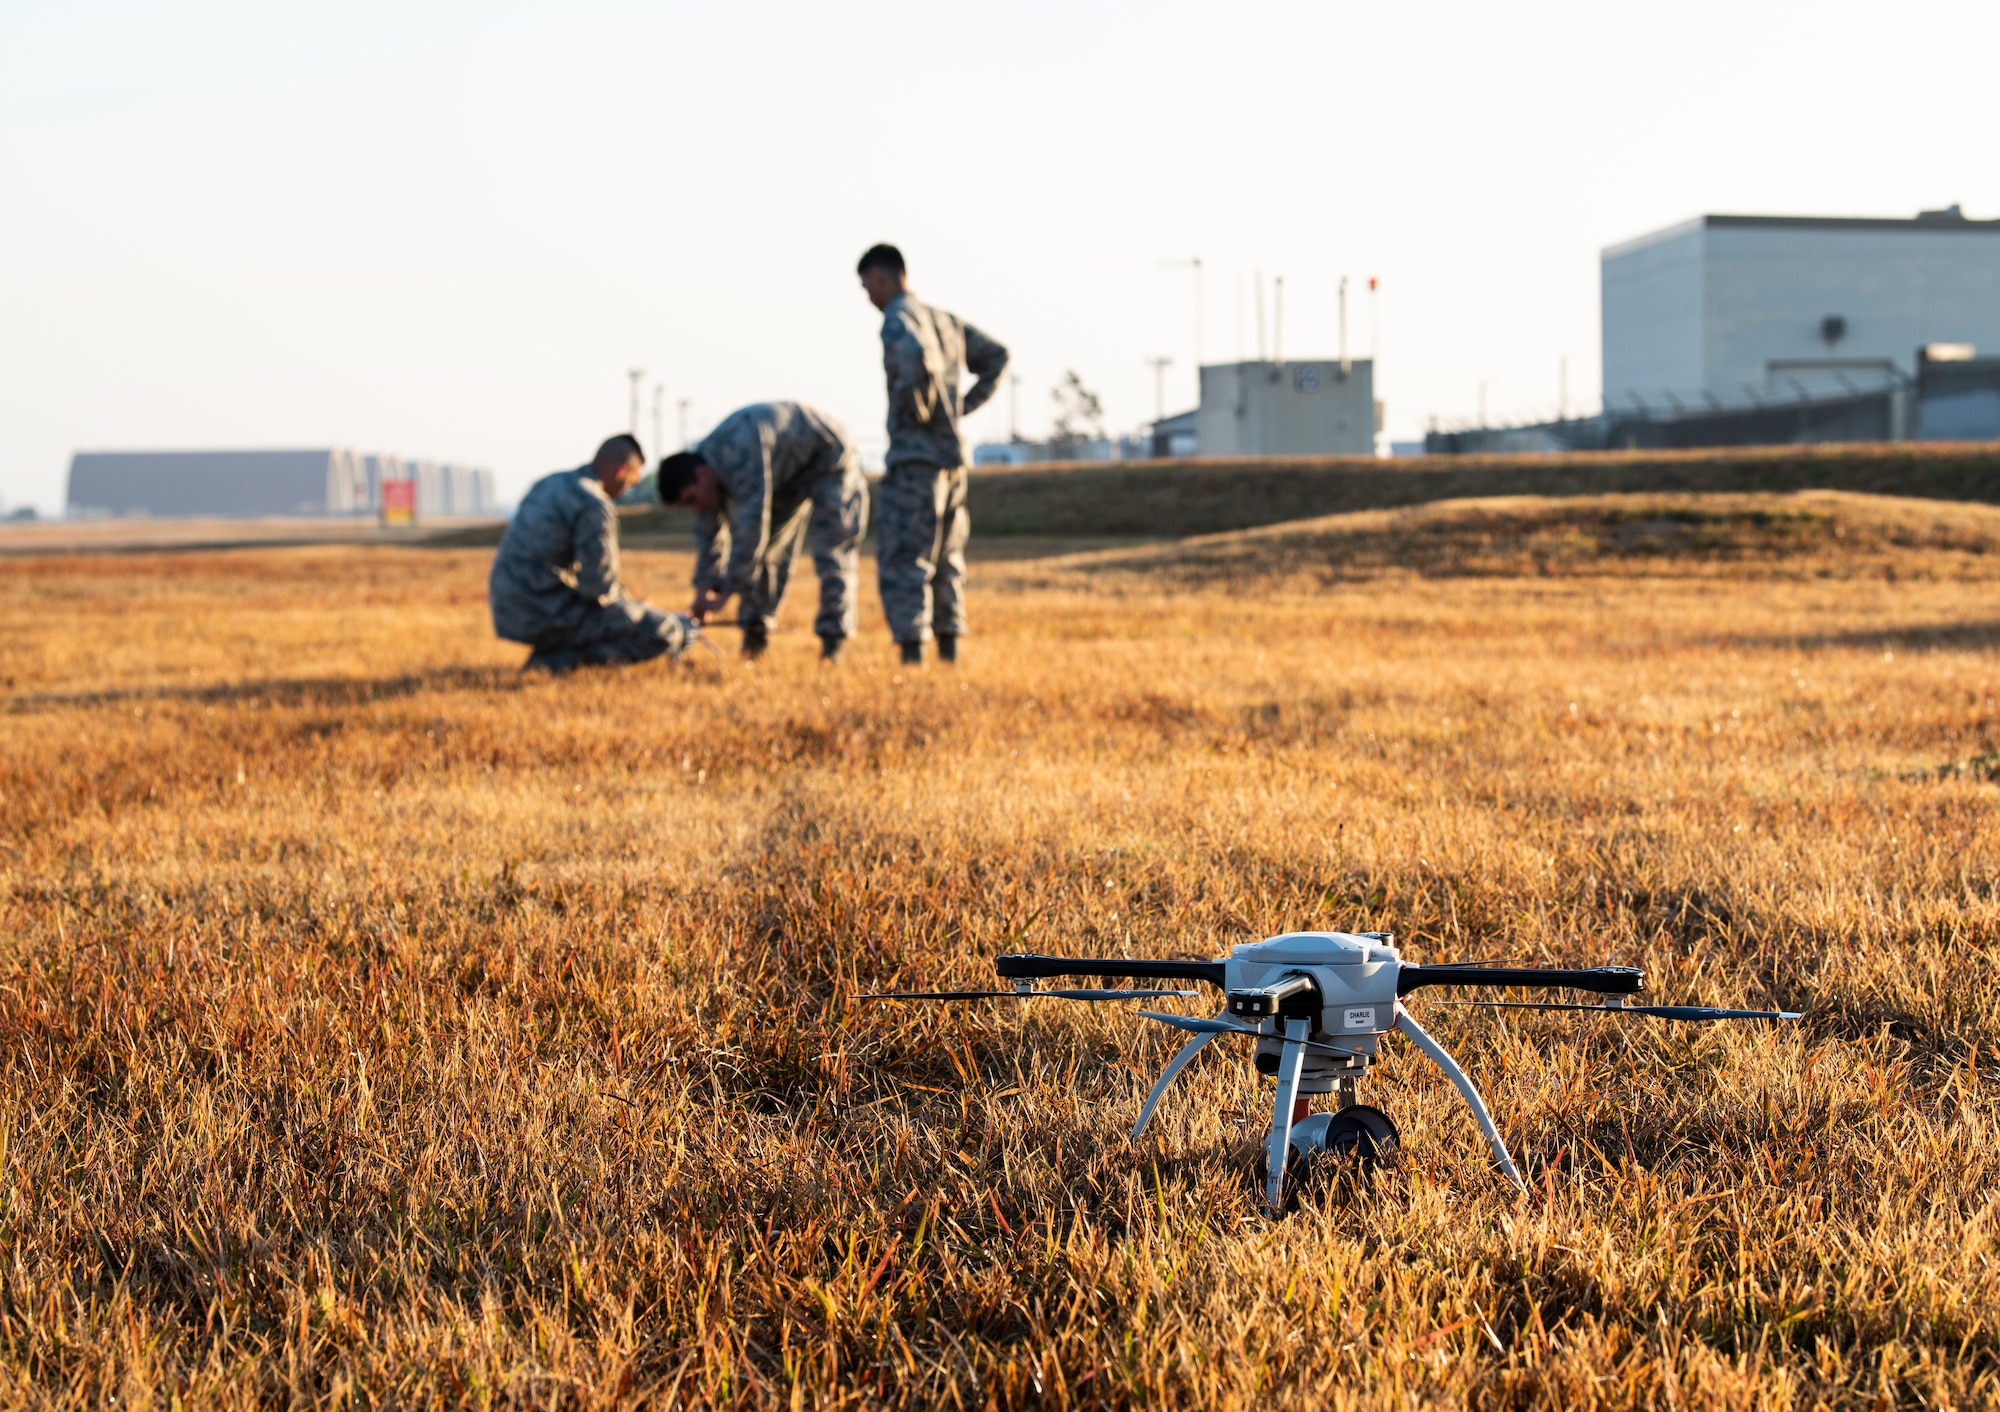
point(1290, 408)
point(251, 484)
point(1734, 311)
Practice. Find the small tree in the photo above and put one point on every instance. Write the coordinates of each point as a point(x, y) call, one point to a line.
point(1079, 414)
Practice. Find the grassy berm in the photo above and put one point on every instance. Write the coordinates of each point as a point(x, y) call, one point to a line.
point(380, 1027)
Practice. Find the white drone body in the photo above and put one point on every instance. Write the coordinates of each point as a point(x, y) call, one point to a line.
point(1317, 1004)
point(1324, 1051)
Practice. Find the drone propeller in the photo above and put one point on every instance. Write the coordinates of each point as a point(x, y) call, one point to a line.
point(1024, 994)
point(1695, 1013)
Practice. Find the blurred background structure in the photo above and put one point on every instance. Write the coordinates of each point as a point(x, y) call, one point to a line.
point(247, 484)
point(1757, 330)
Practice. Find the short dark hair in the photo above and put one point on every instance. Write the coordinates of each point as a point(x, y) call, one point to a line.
point(881, 257)
point(676, 475)
point(616, 451)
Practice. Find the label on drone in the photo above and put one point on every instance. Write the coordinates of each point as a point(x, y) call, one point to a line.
point(1360, 1019)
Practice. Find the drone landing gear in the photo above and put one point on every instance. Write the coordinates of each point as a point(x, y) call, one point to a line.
point(1173, 1071)
point(1463, 1083)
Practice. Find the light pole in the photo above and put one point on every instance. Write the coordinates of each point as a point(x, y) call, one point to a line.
point(659, 427)
point(684, 423)
point(1014, 408)
point(635, 374)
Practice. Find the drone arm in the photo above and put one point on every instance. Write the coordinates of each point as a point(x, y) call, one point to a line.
point(1023, 966)
point(1439, 1056)
point(1604, 980)
point(1167, 1076)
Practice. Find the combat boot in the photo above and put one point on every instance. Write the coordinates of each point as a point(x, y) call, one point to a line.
point(559, 661)
point(913, 653)
point(947, 648)
point(756, 640)
point(829, 648)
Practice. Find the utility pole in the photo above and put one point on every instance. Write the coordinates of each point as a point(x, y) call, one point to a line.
point(1278, 321)
point(1345, 365)
point(659, 427)
point(1159, 367)
point(684, 423)
point(635, 374)
point(1562, 389)
point(1014, 408)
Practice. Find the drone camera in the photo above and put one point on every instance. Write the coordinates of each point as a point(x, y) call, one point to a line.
point(1294, 997)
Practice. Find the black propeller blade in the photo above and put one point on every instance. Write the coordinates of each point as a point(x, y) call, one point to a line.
point(1605, 980)
point(1697, 1013)
point(1024, 994)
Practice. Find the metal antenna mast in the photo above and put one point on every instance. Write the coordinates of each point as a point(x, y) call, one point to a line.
point(1374, 324)
point(1344, 364)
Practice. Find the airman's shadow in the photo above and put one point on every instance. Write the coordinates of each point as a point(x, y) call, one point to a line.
point(304, 691)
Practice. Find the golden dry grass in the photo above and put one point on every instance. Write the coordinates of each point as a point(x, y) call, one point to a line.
point(378, 1026)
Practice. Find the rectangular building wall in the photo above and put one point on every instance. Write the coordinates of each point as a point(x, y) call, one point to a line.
point(1744, 311)
point(235, 484)
point(1772, 289)
point(238, 484)
point(1653, 317)
point(1305, 408)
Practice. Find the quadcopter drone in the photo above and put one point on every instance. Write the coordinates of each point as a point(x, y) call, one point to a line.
point(1317, 1004)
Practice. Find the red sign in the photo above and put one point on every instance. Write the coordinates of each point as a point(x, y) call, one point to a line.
point(399, 502)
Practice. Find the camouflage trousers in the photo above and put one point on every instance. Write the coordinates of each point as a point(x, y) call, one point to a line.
point(921, 525)
point(615, 634)
point(829, 521)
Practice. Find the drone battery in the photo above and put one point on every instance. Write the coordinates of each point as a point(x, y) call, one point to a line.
point(1293, 996)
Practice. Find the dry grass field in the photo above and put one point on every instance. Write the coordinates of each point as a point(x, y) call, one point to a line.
point(380, 1027)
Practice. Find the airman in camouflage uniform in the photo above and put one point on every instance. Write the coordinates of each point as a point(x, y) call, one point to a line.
point(921, 522)
point(554, 584)
point(778, 474)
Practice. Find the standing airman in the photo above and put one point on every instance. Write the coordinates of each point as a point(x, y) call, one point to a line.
point(921, 522)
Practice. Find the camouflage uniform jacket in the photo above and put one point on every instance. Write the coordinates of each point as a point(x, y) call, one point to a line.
point(765, 455)
point(925, 353)
point(558, 561)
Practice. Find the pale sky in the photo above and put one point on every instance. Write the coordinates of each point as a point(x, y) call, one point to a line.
point(443, 228)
